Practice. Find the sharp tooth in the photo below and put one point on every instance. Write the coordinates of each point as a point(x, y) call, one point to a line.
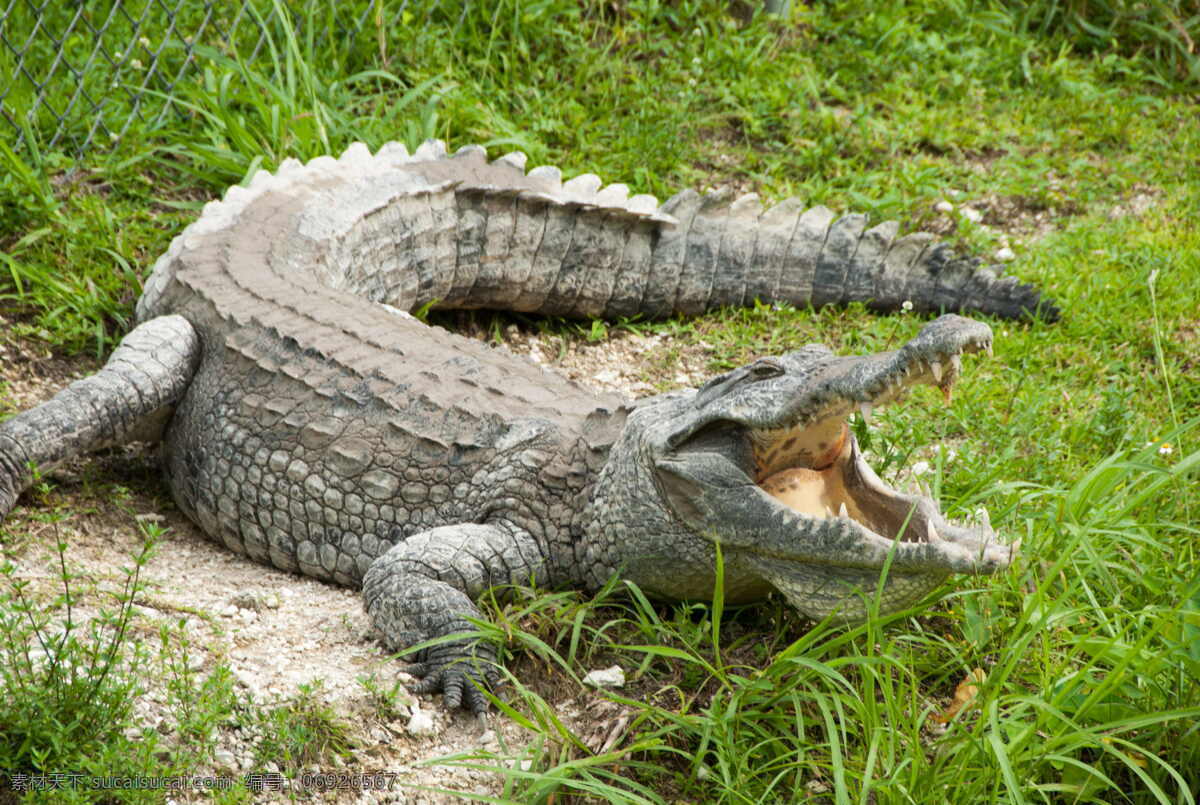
point(866, 409)
point(931, 535)
point(842, 510)
point(956, 366)
point(936, 369)
point(985, 520)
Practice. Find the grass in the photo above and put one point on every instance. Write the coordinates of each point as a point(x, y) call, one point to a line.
point(1052, 119)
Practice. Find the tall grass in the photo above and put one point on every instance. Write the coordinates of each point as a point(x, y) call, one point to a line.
point(284, 106)
point(1165, 32)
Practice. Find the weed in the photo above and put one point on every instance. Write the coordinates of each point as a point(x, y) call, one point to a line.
point(388, 702)
point(66, 696)
point(301, 733)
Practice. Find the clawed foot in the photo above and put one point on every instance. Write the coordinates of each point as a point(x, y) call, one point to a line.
point(460, 673)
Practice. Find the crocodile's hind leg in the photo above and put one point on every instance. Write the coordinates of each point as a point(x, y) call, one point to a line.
point(425, 587)
point(129, 399)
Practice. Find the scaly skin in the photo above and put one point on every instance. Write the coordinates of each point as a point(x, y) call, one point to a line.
point(309, 423)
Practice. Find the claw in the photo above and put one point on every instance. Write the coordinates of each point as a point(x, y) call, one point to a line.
point(427, 684)
point(476, 701)
point(417, 670)
point(935, 368)
point(452, 692)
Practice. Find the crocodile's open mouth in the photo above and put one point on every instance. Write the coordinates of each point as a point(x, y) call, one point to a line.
point(819, 472)
point(814, 468)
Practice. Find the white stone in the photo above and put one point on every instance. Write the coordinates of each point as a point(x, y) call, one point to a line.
point(1005, 254)
point(971, 214)
point(225, 759)
point(421, 723)
point(607, 376)
point(612, 677)
point(944, 207)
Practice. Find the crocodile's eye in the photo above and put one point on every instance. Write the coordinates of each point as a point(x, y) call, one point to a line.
point(765, 368)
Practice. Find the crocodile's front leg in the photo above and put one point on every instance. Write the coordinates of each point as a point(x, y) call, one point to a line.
point(425, 587)
point(130, 399)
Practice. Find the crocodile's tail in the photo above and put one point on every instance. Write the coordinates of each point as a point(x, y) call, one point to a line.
point(723, 253)
point(459, 231)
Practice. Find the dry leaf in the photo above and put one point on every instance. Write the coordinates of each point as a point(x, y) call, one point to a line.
point(964, 695)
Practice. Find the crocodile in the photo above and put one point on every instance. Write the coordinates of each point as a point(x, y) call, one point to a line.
point(310, 422)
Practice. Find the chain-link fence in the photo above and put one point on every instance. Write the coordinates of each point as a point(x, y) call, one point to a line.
point(77, 73)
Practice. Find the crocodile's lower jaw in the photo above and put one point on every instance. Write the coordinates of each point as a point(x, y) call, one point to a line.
point(848, 595)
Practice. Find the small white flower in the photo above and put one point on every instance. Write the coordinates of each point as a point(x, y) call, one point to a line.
point(1165, 449)
point(135, 64)
point(907, 306)
point(696, 60)
point(950, 453)
point(144, 41)
point(920, 468)
point(691, 82)
point(117, 55)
